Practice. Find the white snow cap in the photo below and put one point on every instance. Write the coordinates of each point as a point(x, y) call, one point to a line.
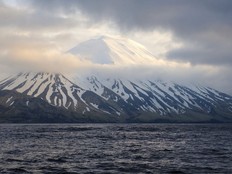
point(113, 50)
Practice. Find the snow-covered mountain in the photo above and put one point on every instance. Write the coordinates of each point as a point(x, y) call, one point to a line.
point(57, 90)
point(114, 99)
point(113, 50)
point(120, 97)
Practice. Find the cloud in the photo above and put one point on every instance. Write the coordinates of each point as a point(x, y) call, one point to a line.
point(200, 75)
point(204, 26)
point(35, 56)
point(26, 18)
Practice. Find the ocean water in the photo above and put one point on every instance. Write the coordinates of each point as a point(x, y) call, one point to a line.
point(116, 148)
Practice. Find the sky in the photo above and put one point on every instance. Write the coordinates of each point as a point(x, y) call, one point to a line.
point(195, 35)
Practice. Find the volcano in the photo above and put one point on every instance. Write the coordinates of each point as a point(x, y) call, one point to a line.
point(94, 98)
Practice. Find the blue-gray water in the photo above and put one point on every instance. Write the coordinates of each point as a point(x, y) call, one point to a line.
point(116, 148)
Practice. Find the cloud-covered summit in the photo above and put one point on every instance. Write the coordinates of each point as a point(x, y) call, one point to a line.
point(204, 26)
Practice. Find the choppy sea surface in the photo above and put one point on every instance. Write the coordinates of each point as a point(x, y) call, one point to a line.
point(116, 148)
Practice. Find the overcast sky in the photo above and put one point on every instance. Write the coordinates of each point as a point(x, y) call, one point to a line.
point(195, 33)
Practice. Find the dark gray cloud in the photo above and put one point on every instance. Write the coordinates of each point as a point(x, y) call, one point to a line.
point(32, 20)
point(204, 26)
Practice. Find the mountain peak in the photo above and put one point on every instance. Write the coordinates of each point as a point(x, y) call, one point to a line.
point(107, 49)
point(106, 36)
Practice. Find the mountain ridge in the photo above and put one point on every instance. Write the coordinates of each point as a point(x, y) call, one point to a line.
point(123, 99)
